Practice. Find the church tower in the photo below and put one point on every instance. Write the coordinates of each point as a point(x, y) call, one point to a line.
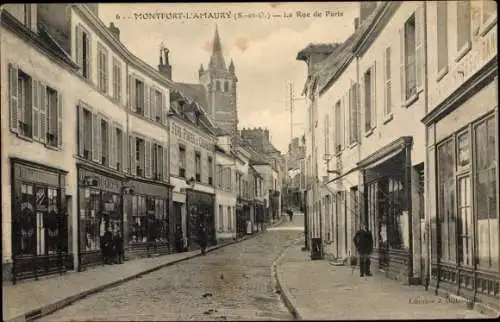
point(220, 85)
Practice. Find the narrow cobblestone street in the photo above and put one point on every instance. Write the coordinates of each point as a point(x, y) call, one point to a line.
point(233, 283)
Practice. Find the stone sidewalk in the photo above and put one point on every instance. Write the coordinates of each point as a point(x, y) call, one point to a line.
point(30, 299)
point(317, 290)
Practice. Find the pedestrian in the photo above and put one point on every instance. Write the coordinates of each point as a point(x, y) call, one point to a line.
point(118, 246)
point(363, 241)
point(107, 245)
point(290, 214)
point(179, 239)
point(203, 238)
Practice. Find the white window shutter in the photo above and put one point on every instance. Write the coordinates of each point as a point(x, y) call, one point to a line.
point(147, 158)
point(132, 156)
point(89, 56)
point(99, 140)
point(419, 46)
point(13, 99)
point(125, 163)
point(373, 93)
point(78, 46)
point(59, 120)
point(43, 111)
point(35, 109)
point(164, 108)
point(81, 135)
point(402, 65)
point(113, 159)
point(109, 140)
point(132, 93)
point(165, 163)
point(95, 136)
point(147, 107)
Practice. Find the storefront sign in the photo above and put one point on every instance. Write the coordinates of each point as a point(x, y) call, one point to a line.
point(188, 136)
point(103, 182)
point(36, 175)
point(483, 50)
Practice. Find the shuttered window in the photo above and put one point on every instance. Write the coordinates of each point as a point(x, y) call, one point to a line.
point(442, 36)
point(83, 51)
point(387, 82)
point(102, 68)
point(117, 79)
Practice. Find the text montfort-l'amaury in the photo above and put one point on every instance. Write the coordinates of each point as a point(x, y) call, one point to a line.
point(181, 15)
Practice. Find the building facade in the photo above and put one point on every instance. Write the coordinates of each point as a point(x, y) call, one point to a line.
point(428, 192)
point(462, 150)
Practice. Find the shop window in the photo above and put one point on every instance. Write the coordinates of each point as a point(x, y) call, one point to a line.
point(446, 200)
point(486, 194)
point(92, 229)
point(160, 224)
point(137, 229)
point(197, 158)
point(26, 242)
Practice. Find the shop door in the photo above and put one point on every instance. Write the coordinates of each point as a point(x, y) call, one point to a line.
point(464, 207)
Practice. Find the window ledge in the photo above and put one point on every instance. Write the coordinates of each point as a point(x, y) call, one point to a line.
point(353, 145)
point(388, 118)
point(369, 132)
point(54, 148)
point(23, 137)
point(411, 100)
point(442, 73)
point(487, 26)
point(463, 51)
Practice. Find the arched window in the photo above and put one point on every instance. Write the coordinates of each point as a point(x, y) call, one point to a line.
point(226, 86)
point(217, 86)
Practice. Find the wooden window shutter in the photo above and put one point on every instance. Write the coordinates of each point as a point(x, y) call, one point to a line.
point(109, 157)
point(373, 97)
point(125, 154)
point(13, 99)
point(147, 158)
point(95, 136)
point(419, 46)
point(43, 111)
point(147, 102)
point(357, 99)
point(164, 108)
point(99, 139)
point(131, 101)
point(78, 46)
point(165, 163)
point(132, 156)
point(113, 159)
point(81, 135)
point(59, 120)
point(402, 65)
point(33, 14)
point(89, 57)
point(35, 103)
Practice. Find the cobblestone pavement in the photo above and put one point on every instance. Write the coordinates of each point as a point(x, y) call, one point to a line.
point(327, 292)
point(232, 283)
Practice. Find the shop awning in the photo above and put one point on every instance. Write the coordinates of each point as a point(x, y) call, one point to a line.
point(343, 175)
point(386, 153)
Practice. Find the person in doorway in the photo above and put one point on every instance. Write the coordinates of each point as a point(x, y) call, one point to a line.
point(179, 239)
point(203, 238)
point(107, 245)
point(363, 241)
point(118, 246)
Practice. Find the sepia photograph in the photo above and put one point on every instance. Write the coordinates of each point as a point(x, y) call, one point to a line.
point(250, 161)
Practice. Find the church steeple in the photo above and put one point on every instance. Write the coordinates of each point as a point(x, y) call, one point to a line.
point(217, 59)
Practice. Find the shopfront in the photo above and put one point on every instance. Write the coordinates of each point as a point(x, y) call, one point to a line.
point(40, 224)
point(388, 208)
point(100, 209)
point(147, 229)
point(200, 210)
point(463, 197)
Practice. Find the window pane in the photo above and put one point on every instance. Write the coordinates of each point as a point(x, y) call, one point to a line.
point(446, 200)
point(463, 150)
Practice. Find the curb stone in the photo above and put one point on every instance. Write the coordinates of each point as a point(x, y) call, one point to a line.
point(59, 304)
point(280, 285)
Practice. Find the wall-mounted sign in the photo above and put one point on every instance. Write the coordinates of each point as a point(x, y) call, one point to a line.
point(188, 136)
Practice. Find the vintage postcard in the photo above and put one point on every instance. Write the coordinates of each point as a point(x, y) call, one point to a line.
point(250, 161)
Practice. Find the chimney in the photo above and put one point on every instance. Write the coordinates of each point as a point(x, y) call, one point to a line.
point(356, 23)
point(164, 67)
point(114, 31)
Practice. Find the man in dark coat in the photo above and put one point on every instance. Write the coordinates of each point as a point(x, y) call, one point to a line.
point(363, 241)
point(203, 238)
point(118, 243)
point(290, 214)
point(179, 239)
point(107, 246)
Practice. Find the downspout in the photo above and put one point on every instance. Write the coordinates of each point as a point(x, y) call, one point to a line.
point(427, 230)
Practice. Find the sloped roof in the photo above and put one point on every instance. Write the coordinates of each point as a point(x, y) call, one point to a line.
point(196, 92)
point(317, 48)
point(325, 71)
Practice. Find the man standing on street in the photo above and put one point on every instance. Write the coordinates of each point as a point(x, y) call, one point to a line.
point(363, 241)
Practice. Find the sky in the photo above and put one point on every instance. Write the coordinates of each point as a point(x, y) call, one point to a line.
point(264, 50)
